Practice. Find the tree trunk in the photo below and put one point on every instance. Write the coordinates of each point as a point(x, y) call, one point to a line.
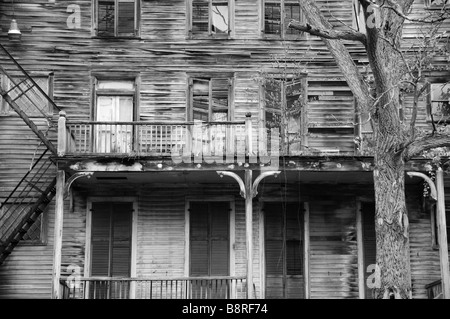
point(391, 226)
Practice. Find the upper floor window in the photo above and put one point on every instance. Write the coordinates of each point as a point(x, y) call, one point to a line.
point(114, 103)
point(277, 14)
point(116, 18)
point(439, 102)
point(283, 100)
point(437, 4)
point(210, 98)
point(210, 17)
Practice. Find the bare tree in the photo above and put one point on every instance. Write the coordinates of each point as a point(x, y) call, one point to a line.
point(396, 67)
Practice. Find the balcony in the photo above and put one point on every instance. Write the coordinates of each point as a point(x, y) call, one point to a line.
point(173, 139)
point(225, 287)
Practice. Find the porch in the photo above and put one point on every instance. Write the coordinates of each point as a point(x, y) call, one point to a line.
point(222, 287)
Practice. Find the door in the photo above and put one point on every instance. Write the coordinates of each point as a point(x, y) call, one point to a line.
point(114, 103)
point(209, 248)
point(283, 250)
point(110, 248)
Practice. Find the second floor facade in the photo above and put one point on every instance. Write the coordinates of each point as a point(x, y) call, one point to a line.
point(155, 77)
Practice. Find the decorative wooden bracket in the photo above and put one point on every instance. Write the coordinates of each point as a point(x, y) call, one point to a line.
point(73, 178)
point(254, 190)
point(428, 180)
point(260, 178)
point(237, 178)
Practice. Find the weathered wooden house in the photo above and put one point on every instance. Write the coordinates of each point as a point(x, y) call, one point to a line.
point(191, 149)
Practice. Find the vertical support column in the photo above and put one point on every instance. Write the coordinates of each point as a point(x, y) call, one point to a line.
point(248, 134)
point(360, 241)
point(442, 234)
point(306, 249)
point(57, 245)
point(62, 134)
point(249, 231)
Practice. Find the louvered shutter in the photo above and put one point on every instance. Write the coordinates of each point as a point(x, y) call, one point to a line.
point(283, 250)
point(219, 234)
point(111, 239)
point(100, 237)
point(199, 239)
point(209, 239)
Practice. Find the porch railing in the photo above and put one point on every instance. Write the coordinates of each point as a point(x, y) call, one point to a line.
point(434, 290)
point(225, 287)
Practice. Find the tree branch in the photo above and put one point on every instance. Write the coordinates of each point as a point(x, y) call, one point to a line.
point(329, 34)
point(426, 143)
point(397, 9)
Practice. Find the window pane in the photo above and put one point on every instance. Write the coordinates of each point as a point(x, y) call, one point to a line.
point(200, 99)
point(115, 85)
point(126, 18)
point(292, 12)
point(272, 17)
point(274, 257)
point(440, 100)
point(219, 91)
point(200, 15)
point(220, 20)
point(106, 18)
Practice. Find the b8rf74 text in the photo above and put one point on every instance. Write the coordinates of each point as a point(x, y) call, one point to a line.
point(247, 308)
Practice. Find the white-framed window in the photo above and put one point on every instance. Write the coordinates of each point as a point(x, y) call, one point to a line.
point(439, 102)
point(276, 15)
point(116, 18)
point(210, 17)
point(115, 102)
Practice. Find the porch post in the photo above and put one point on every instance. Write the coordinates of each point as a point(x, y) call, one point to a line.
point(57, 245)
point(249, 231)
point(442, 234)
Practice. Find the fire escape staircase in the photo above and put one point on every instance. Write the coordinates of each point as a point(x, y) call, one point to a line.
point(24, 206)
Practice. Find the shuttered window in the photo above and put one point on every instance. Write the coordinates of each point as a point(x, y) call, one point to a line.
point(209, 238)
point(111, 239)
point(116, 18)
point(276, 17)
point(210, 17)
point(283, 250)
point(283, 100)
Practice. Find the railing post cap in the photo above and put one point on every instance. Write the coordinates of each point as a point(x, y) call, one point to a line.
point(62, 113)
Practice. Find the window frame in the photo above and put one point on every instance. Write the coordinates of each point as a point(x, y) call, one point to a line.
point(137, 21)
point(134, 228)
point(283, 22)
point(304, 241)
point(5, 109)
point(429, 101)
point(209, 34)
point(302, 120)
point(231, 87)
point(232, 229)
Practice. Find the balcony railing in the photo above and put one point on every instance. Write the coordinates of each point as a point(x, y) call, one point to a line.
point(225, 287)
point(179, 139)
